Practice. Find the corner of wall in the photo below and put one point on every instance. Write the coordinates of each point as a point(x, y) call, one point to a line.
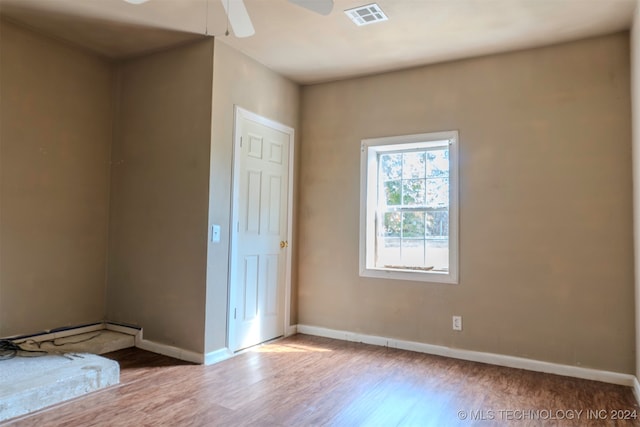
point(635, 132)
point(115, 104)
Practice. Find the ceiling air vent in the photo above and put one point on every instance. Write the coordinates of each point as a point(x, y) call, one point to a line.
point(365, 15)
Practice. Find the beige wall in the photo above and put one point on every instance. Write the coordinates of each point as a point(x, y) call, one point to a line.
point(154, 119)
point(237, 80)
point(546, 248)
point(55, 136)
point(159, 195)
point(546, 256)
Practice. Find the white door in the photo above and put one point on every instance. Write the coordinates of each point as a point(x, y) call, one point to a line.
point(260, 249)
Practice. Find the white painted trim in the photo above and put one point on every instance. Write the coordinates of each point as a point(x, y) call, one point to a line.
point(217, 356)
point(81, 330)
point(171, 351)
point(370, 149)
point(123, 329)
point(239, 115)
point(636, 389)
point(140, 342)
point(233, 231)
point(62, 334)
point(167, 350)
point(478, 356)
point(290, 239)
point(291, 330)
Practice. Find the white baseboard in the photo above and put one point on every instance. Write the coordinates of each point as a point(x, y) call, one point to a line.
point(172, 351)
point(140, 342)
point(80, 330)
point(291, 330)
point(129, 330)
point(636, 389)
point(217, 356)
point(156, 347)
point(169, 350)
point(478, 356)
point(62, 334)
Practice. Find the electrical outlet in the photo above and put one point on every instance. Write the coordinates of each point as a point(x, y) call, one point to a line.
point(457, 323)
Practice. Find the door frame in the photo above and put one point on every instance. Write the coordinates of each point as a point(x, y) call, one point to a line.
point(241, 114)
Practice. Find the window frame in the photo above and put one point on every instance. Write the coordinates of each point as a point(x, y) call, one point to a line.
point(371, 148)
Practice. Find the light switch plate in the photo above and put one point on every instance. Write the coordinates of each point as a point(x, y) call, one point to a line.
point(215, 233)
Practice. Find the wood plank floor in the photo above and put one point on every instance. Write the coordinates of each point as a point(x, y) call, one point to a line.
point(305, 380)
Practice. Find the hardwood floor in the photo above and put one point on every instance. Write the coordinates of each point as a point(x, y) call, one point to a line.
point(305, 380)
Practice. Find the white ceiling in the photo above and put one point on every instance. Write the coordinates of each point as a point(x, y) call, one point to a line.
point(309, 47)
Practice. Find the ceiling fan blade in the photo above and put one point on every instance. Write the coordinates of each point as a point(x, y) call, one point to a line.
point(238, 18)
point(323, 7)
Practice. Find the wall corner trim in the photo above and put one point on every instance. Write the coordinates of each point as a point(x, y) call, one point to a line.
point(291, 330)
point(169, 350)
point(636, 390)
point(217, 356)
point(125, 329)
point(477, 356)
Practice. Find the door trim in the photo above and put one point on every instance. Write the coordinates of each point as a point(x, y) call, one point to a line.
point(239, 115)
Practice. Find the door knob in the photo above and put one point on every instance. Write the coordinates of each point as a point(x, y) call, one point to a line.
point(284, 244)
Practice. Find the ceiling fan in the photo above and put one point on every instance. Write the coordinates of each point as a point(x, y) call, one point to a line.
point(241, 22)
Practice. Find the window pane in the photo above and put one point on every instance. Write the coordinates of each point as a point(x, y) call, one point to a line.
point(437, 254)
point(438, 163)
point(413, 225)
point(391, 166)
point(412, 253)
point(437, 192)
point(437, 243)
point(413, 192)
point(392, 193)
point(388, 252)
point(438, 224)
point(413, 165)
point(392, 224)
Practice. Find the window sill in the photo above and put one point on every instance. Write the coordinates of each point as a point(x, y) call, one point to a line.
point(413, 275)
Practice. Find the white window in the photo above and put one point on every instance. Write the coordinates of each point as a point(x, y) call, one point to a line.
point(409, 207)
